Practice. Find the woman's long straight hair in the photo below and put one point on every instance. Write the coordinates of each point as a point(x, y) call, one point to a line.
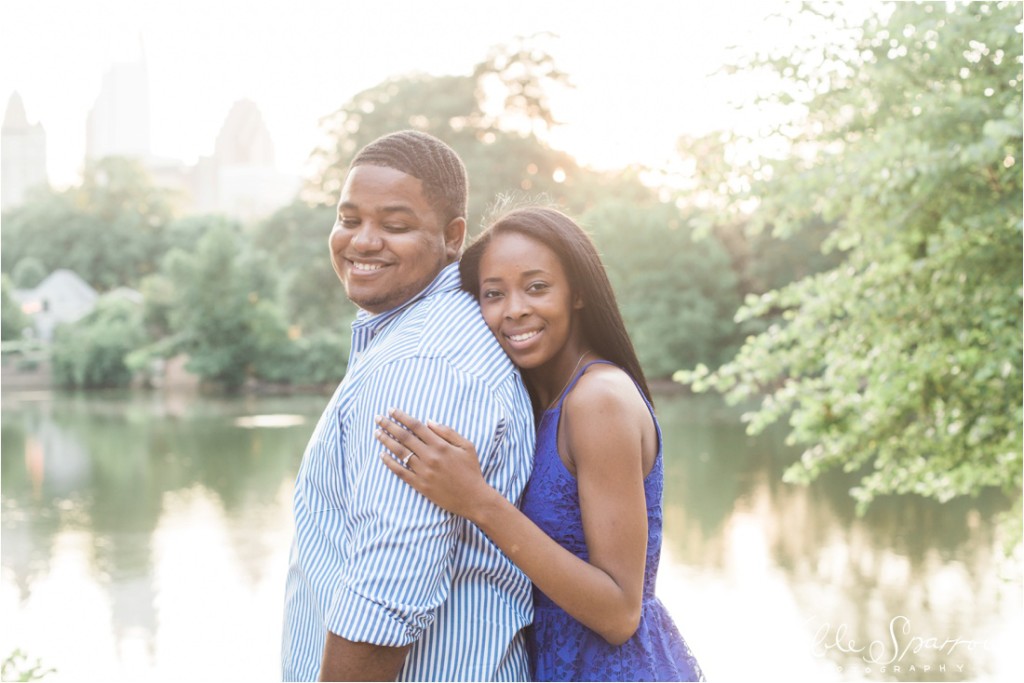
point(600, 320)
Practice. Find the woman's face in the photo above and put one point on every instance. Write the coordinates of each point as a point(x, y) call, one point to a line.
point(526, 299)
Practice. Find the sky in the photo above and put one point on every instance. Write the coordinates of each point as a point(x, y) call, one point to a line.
point(643, 62)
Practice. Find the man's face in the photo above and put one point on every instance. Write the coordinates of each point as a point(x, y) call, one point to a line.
point(388, 242)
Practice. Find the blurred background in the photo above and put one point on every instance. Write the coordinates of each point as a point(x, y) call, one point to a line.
point(811, 214)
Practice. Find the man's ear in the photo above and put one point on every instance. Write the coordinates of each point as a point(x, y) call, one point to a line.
point(454, 237)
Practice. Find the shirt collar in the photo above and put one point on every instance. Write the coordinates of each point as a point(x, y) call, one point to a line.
point(369, 324)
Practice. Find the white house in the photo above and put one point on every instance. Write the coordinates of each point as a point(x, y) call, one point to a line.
point(62, 297)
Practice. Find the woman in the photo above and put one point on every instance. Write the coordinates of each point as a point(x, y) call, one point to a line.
point(589, 532)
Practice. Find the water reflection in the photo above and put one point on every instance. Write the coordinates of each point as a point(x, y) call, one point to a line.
point(914, 590)
point(113, 468)
point(145, 536)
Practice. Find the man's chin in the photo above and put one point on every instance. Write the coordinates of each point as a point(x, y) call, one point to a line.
point(377, 299)
point(370, 306)
point(370, 302)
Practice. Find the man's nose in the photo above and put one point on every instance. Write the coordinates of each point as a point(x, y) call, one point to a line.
point(367, 238)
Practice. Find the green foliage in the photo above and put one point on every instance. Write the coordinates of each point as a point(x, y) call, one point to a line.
point(904, 361)
point(503, 163)
point(223, 312)
point(16, 667)
point(27, 230)
point(158, 299)
point(295, 237)
point(12, 320)
point(676, 295)
point(28, 273)
point(108, 230)
point(91, 352)
point(185, 233)
point(317, 359)
point(764, 261)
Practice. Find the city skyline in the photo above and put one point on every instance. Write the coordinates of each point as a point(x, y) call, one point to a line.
point(300, 63)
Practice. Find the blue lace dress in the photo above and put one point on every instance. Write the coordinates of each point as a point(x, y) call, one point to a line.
point(563, 649)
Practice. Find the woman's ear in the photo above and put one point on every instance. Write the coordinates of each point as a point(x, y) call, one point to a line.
point(577, 301)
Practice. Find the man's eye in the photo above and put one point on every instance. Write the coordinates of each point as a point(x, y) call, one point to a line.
point(396, 228)
point(348, 222)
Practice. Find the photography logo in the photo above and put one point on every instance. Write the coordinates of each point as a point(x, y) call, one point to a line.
point(900, 650)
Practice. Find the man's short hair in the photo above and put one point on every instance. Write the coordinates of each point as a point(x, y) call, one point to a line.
point(434, 163)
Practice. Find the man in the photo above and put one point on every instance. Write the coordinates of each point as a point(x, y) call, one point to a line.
point(382, 584)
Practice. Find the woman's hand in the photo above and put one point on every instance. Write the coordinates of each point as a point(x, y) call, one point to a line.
point(435, 460)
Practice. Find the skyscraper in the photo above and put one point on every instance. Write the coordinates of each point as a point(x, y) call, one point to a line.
point(118, 123)
point(22, 154)
point(241, 179)
point(244, 139)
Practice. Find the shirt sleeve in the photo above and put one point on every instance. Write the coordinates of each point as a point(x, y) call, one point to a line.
point(400, 547)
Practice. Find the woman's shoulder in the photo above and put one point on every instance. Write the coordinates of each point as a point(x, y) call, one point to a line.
point(605, 389)
point(604, 418)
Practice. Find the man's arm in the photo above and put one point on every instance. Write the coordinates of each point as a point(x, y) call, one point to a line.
point(345, 660)
point(399, 545)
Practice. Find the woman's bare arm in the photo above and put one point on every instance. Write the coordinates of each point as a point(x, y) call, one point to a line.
point(604, 439)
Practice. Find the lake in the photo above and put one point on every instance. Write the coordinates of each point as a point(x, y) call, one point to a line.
point(145, 538)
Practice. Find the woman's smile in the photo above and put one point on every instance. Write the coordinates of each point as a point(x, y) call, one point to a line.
point(522, 338)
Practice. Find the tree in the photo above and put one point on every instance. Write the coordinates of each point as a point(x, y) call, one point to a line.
point(903, 362)
point(446, 107)
point(224, 314)
point(520, 75)
point(28, 273)
point(295, 238)
point(108, 230)
point(676, 295)
point(91, 352)
point(12, 320)
point(495, 118)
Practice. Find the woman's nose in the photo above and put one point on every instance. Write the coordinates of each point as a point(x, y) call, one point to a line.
point(517, 307)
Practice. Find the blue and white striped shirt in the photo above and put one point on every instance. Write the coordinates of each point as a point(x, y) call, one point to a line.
point(374, 561)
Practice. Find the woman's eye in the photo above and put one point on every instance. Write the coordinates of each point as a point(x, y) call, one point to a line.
point(490, 294)
point(537, 287)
